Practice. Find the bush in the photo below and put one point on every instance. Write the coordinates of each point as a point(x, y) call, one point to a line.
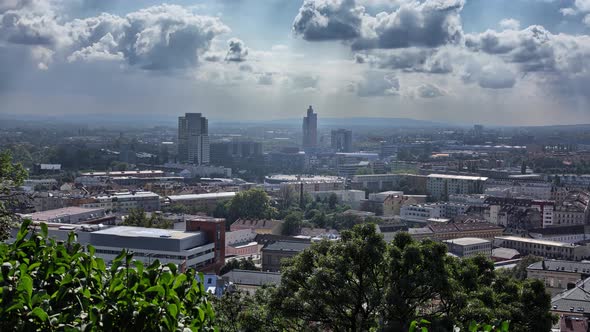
point(49, 285)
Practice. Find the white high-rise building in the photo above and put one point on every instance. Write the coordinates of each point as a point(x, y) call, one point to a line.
point(193, 139)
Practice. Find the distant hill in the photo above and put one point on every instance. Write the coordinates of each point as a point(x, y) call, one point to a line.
point(341, 122)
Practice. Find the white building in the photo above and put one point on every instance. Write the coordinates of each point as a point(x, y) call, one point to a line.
point(469, 246)
point(543, 248)
point(126, 201)
point(440, 186)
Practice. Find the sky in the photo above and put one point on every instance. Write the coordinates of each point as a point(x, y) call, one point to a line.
point(500, 62)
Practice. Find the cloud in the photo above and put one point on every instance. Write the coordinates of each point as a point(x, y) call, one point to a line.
point(265, 79)
point(375, 84)
point(161, 37)
point(413, 59)
point(429, 91)
point(303, 82)
point(429, 23)
point(320, 20)
point(510, 24)
point(237, 51)
point(489, 76)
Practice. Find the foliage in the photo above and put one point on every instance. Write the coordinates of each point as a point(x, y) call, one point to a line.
point(338, 284)
point(240, 311)
point(11, 176)
point(250, 204)
point(239, 264)
point(49, 285)
point(519, 271)
point(138, 217)
point(362, 283)
point(292, 223)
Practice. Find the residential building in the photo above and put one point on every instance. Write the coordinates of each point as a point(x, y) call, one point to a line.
point(567, 234)
point(241, 242)
point(384, 182)
point(558, 275)
point(259, 226)
point(341, 140)
point(310, 130)
point(274, 253)
point(126, 201)
point(236, 153)
point(573, 307)
point(440, 186)
point(193, 139)
point(544, 248)
point(469, 246)
point(310, 183)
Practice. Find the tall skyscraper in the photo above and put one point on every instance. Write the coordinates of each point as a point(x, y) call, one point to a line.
point(310, 130)
point(193, 139)
point(342, 140)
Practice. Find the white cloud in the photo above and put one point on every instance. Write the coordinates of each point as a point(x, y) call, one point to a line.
point(510, 24)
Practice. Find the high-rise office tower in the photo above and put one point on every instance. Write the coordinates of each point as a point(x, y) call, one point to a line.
point(342, 140)
point(193, 139)
point(310, 130)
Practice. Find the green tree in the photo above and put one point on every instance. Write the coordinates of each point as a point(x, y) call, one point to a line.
point(292, 223)
point(250, 204)
point(11, 176)
point(138, 218)
point(332, 201)
point(56, 286)
point(240, 264)
point(336, 285)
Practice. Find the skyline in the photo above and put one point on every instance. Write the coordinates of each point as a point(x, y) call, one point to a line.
point(434, 60)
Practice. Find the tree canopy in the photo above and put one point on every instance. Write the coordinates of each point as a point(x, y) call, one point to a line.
point(11, 176)
point(361, 283)
point(250, 204)
point(138, 217)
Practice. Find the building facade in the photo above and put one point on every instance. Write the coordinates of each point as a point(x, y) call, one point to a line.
point(440, 186)
point(310, 130)
point(193, 139)
point(341, 140)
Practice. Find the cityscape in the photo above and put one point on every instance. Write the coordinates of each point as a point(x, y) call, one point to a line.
point(313, 165)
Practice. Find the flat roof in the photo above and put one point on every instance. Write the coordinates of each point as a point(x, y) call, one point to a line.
point(459, 177)
point(288, 246)
point(467, 241)
point(130, 195)
point(67, 211)
point(227, 194)
point(131, 231)
point(536, 241)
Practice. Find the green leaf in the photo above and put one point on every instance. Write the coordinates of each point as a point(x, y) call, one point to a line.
point(504, 327)
point(156, 289)
point(413, 326)
point(44, 230)
point(172, 309)
point(26, 285)
point(40, 313)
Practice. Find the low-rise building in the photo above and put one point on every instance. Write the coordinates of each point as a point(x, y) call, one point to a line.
point(207, 201)
point(258, 226)
point(274, 253)
point(126, 201)
point(469, 246)
point(573, 307)
point(71, 215)
point(544, 248)
point(250, 281)
point(558, 275)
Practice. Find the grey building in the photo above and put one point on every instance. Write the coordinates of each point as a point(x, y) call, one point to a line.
point(469, 246)
point(274, 253)
point(310, 130)
point(193, 139)
point(341, 140)
point(250, 281)
point(558, 275)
